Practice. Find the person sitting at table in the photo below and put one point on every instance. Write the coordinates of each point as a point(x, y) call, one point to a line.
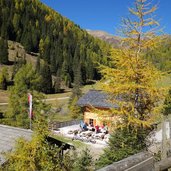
point(85, 126)
point(91, 124)
point(106, 129)
point(102, 126)
point(97, 128)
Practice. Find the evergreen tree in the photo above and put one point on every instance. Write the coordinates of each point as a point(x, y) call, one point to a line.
point(53, 63)
point(27, 41)
point(122, 143)
point(167, 104)
point(46, 81)
point(26, 80)
point(38, 65)
point(40, 29)
point(57, 84)
point(75, 110)
point(76, 91)
point(4, 79)
point(165, 145)
point(3, 51)
point(18, 63)
point(84, 162)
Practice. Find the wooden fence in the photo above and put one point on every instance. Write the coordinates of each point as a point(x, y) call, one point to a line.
point(56, 125)
point(139, 162)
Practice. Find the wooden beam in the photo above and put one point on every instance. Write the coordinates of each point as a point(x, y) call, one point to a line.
point(163, 164)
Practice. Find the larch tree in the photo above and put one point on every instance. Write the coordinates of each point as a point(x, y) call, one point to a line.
point(131, 82)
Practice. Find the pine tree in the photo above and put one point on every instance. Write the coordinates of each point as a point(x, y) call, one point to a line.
point(40, 29)
point(84, 162)
point(38, 65)
point(27, 41)
point(75, 110)
point(76, 91)
point(166, 118)
point(122, 143)
point(167, 104)
point(57, 84)
point(4, 79)
point(3, 51)
point(46, 80)
point(26, 80)
point(19, 62)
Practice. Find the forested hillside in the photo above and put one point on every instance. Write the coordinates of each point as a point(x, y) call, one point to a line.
point(61, 44)
point(115, 41)
point(162, 57)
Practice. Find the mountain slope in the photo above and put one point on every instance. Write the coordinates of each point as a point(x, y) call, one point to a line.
point(160, 58)
point(113, 40)
point(62, 44)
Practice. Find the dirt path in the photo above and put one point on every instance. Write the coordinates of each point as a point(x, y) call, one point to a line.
point(59, 98)
point(50, 99)
point(3, 104)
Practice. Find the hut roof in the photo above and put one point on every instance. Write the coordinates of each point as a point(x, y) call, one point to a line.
point(96, 98)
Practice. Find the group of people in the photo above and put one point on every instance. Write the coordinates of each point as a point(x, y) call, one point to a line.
point(103, 129)
point(97, 128)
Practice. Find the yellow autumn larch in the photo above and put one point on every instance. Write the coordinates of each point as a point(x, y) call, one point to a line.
point(131, 80)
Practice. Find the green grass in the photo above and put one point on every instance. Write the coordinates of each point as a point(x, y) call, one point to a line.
point(165, 82)
point(61, 118)
point(63, 103)
point(54, 102)
point(75, 143)
point(57, 103)
point(86, 88)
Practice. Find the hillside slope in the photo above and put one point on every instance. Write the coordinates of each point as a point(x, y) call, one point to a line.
point(60, 43)
point(15, 52)
point(115, 41)
point(160, 58)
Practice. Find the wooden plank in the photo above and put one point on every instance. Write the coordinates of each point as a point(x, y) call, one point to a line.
point(139, 162)
point(163, 164)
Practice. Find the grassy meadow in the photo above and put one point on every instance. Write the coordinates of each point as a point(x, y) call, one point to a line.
point(59, 102)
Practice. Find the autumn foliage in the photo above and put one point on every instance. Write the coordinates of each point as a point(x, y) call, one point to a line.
point(131, 79)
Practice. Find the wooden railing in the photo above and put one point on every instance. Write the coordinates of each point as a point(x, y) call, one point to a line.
point(55, 125)
point(143, 161)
